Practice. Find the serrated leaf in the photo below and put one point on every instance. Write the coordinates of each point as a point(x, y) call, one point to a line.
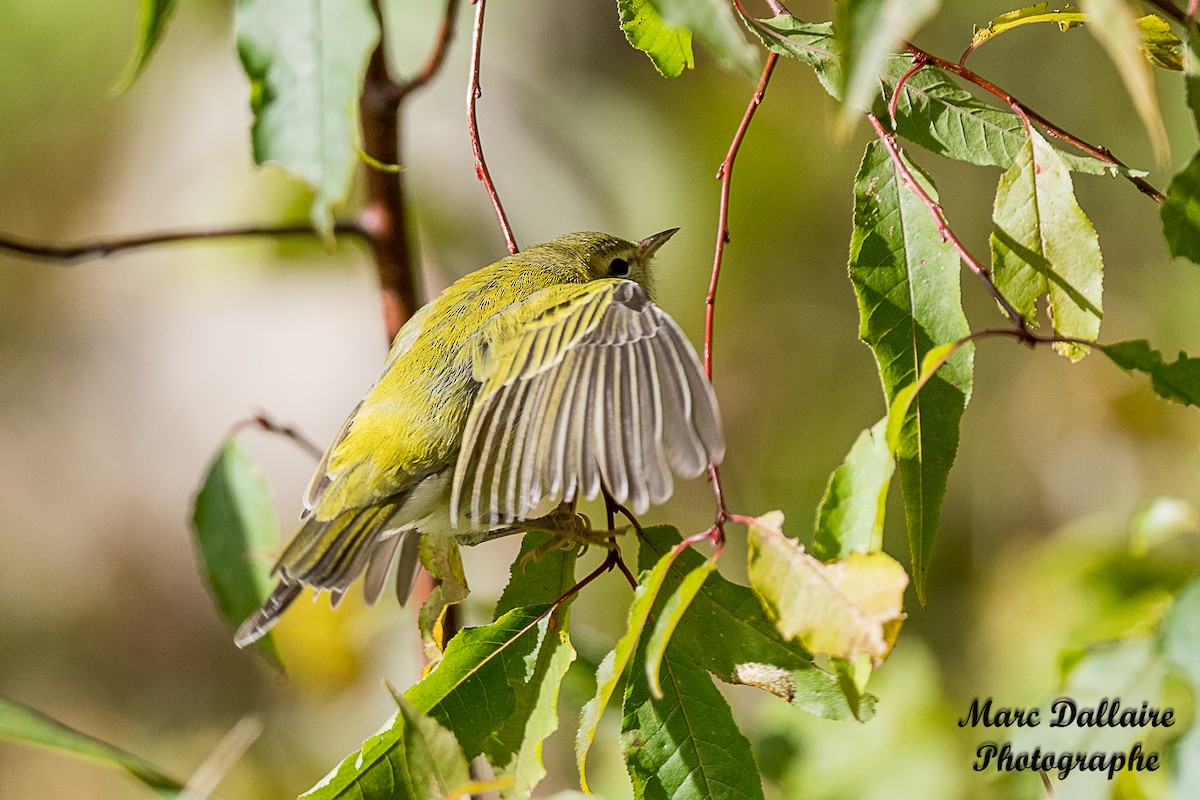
point(1043, 244)
point(684, 742)
point(471, 690)
point(235, 530)
point(868, 33)
point(1180, 213)
point(1177, 381)
point(932, 110)
point(24, 725)
point(1114, 25)
point(906, 279)
point(153, 17)
point(714, 23)
point(306, 60)
point(441, 557)
point(614, 664)
point(850, 517)
point(412, 757)
point(669, 48)
point(516, 748)
point(726, 631)
point(668, 618)
point(842, 609)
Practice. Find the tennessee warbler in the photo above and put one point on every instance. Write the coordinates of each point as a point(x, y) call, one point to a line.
point(531, 382)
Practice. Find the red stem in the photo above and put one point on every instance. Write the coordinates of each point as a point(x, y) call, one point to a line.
point(473, 94)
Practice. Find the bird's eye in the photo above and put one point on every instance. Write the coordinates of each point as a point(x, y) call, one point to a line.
point(619, 267)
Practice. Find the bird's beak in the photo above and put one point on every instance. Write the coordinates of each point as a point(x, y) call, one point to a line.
point(647, 246)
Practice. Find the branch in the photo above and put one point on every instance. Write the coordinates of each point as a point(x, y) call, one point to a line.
point(384, 217)
point(1096, 151)
point(939, 217)
point(263, 422)
point(87, 251)
point(473, 95)
point(716, 533)
point(1173, 11)
point(725, 175)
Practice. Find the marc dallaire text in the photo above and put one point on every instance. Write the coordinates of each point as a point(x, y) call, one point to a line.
point(1065, 713)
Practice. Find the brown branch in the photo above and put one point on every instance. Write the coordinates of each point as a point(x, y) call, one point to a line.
point(1173, 11)
point(939, 216)
point(473, 95)
point(86, 251)
point(263, 422)
point(725, 175)
point(384, 217)
point(1096, 151)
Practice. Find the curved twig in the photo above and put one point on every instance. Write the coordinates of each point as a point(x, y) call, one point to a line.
point(473, 95)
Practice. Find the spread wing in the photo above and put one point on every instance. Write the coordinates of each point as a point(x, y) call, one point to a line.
point(600, 388)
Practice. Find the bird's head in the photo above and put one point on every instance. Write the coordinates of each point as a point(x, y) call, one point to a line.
point(600, 255)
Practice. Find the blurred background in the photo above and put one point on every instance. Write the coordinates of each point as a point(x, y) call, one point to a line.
point(120, 378)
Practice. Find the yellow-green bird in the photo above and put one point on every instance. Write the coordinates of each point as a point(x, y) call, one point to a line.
point(524, 386)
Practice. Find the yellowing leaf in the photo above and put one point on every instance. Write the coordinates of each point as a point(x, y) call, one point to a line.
point(839, 609)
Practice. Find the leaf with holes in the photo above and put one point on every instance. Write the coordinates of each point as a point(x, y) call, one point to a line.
point(725, 631)
point(842, 609)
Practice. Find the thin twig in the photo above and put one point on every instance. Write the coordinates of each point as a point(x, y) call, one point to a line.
point(1173, 11)
point(473, 95)
point(947, 235)
point(1098, 152)
point(725, 175)
point(263, 422)
point(437, 55)
point(913, 70)
point(86, 251)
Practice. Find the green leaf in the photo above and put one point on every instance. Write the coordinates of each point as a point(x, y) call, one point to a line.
point(1191, 71)
point(1181, 212)
point(843, 609)
point(906, 279)
point(668, 619)
point(153, 17)
point(614, 664)
point(1179, 643)
point(683, 742)
point(516, 748)
point(1114, 25)
point(532, 581)
point(306, 60)
point(932, 110)
point(714, 23)
point(470, 691)
point(412, 757)
point(868, 33)
point(850, 517)
point(235, 529)
point(440, 556)
point(725, 631)
point(1043, 243)
point(24, 725)
point(1178, 381)
point(670, 48)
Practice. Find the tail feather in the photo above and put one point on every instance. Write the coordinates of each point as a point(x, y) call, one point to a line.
point(325, 554)
point(262, 620)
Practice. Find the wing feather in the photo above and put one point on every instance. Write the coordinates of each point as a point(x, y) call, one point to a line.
point(596, 387)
